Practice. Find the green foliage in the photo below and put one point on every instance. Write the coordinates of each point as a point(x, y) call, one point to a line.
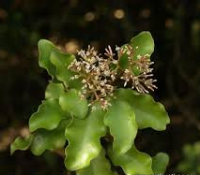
point(20, 144)
point(191, 159)
point(121, 115)
point(49, 140)
point(99, 120)
point(133, 161)
point(54, 90)
point(70, 100)
point(159, 163)
point(143, 44)
point(84, 140)
point(98, 166)
point(61, 61)
point(45, 48)
point(48, 116)
point(148, 113)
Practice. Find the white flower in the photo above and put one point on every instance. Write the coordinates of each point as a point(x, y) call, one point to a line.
point(139, 56)
point(84, 81)
point(114, 61)
point(91, 86)
point(125, 83)
point(102, 83)
point(113, 77)
point(106, 72)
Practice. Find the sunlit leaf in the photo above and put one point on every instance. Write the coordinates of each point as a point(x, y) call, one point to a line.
point(84, 140)
point(160, 162)
point(54, 90)
point(20, 144)
point(49, 140)
point(148, 112)
point(72, 103)
point(132, 162)
point(98, 166)
point(45, 47)
point(47, 116)
point(120, 118)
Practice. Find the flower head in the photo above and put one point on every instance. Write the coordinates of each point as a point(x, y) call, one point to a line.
point(99, 75)
point(96, 75)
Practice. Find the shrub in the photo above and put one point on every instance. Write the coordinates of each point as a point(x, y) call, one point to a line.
point(94, 106)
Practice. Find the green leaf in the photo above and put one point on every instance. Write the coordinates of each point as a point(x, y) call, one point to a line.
point(120, 118)
point(148, 113)
point(72, 103)
point(132, 162)
point(54, 90)
point(61, 62)
point(75, 84)
point(49, 140)
point(45, 47)
point(143, 44)
point(190, 159)
point(98, 166)
point(160, 162)
point(84, 140)
point(123, 61)
point(47, 116)
point(56, 63)
point(21, 144)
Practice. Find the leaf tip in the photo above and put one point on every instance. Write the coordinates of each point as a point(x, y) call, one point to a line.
point(12, 150)
point(42, 42)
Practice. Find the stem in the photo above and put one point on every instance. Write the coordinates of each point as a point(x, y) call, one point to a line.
point(65, 87)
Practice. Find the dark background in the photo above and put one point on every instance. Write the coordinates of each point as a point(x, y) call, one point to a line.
point(73, 24)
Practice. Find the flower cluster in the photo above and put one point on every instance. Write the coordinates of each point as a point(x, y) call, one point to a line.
point(99, 74)
point(141, 78)
point(95, 74)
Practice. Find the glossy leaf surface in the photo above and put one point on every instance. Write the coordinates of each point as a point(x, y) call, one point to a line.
point(61, 61)
point(84, 140)
point(160, 162)
point(20, 144)
point(133, 162)
point(72, 103)
point(143, 44)
point(54, 90)
point(45, 48)
point(148, 112)
point(98, 166)
point(120, 118)
point(49, 140)
point(47, 116)
point(65, 117)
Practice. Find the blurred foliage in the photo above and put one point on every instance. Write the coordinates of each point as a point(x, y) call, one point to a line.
point(74, 24)
point(191, 159)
